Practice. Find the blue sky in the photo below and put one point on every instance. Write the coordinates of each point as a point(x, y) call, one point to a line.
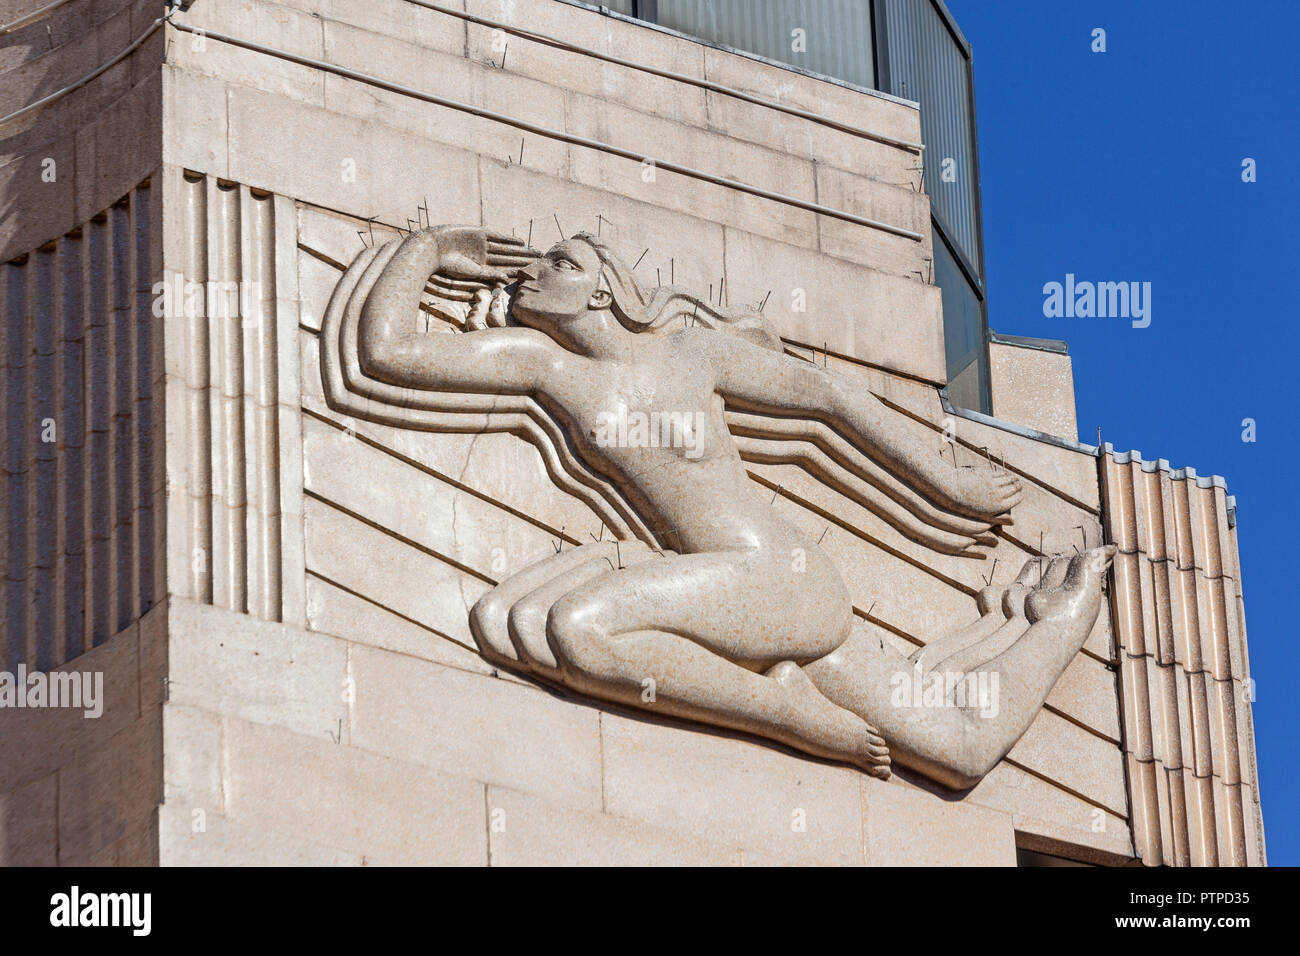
point(1126, 165)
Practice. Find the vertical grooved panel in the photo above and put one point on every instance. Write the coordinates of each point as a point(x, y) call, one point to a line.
point(44, 473)
point(231, 362)
point(230, 496)
point(79, 483)
point(264, 461)
point(1183, 671)
point(72, 507)
point(146, 387)
point(122, 461)
point(198, 410)
point(249, 308)
point(17, 502)
point(99, 570)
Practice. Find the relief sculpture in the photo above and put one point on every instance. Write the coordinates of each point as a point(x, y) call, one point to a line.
point(703, 604)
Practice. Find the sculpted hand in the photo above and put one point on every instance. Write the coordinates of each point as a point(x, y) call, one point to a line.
point(472, 260)
point(982, 493)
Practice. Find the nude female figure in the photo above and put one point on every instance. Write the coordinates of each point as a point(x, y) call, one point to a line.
point(740, 620)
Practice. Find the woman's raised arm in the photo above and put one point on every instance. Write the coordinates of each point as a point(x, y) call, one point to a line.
point(393, 345)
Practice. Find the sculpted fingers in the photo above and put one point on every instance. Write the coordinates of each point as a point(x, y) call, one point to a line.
point(477, 319)
point(502, 239)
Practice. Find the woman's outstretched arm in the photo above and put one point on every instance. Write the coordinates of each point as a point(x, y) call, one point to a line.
point(759, 379)
point(392, 342)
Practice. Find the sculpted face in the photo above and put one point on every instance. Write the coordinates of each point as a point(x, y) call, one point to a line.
point(560, 285)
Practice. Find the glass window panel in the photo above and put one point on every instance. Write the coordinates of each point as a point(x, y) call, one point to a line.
point(835, 42)
point(963, 333)
point(926, 64)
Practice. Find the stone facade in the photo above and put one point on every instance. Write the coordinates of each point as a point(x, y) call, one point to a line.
point(290, 674)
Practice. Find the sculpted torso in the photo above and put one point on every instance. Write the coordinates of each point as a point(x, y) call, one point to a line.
point(736, 618)
point(655, 424)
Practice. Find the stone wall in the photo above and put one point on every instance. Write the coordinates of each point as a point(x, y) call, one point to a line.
point(307, 689)
point(83, 478)
point(402, 531)
point(1185, 671)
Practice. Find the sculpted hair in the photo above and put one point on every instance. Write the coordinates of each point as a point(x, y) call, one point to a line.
point(668, 309)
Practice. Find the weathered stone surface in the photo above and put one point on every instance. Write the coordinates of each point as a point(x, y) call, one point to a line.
point(526, 831)
point(223, 842)
point(731, 791)
point(522, 737)
point(389, 811)
point(904, 826)
point(258, 671)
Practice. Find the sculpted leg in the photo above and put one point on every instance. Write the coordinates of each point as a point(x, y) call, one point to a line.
point(958, 745)
point(526, 621)
point(665, 636)
point(488, 619)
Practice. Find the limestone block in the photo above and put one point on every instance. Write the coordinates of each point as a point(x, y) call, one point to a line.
point(486, 729)
point(788, 133)
point(526, 831)
point(898, 205)
point(877, 112)
point(333, 610)
point(1077, 760)
point(56, 29)
point(36, 742)
point(345, 163)
point(29, 823)
point(126, 135)
point(846, 308)
point(1048, 818)
point(223, 842)
point(450, 76)
point(420, 586)
point(256, 670)
point(317, 280)
point(709, 152)
point(731, 791)
point(910, 827)
point(110, 792)
point(1087, 693)
point(390, 811)
point(195, 116)
point(277, 25)
point(393, 18)
point(584, 74)
point(37, 76)
point(139, 845)
point(1034, 388)
point(37, 211)
point(333, 236)
point(191, 53)
point(192, 772)
point(473, 532)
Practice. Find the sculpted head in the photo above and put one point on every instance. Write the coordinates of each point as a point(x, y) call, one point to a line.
point(565, 283)
point(582, 276)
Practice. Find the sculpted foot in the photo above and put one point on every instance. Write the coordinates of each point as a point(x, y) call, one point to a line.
point(836, 732)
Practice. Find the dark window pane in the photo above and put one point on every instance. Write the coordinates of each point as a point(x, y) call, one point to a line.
point(835, 39)
point(928, 65)
point(963, 333)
